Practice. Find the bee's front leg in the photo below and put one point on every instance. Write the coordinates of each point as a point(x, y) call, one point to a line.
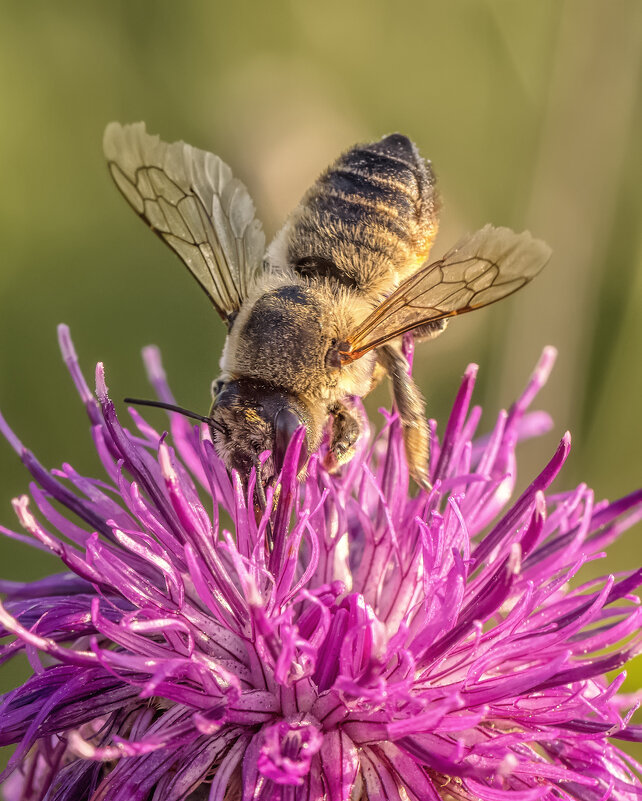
point(410, 406)
point(346, 430)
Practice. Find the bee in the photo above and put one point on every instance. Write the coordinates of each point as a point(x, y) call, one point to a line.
point(317, 318)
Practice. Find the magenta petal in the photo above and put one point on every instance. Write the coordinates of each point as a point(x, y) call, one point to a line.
point(353, 642)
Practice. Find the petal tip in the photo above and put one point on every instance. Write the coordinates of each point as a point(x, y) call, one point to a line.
point(101, 386)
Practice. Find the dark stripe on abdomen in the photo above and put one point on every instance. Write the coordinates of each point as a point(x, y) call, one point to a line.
point(392, 163)
point(372, 189)
point(320, 267)
point(352, 210)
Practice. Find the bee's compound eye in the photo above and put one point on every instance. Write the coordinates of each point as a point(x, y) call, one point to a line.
point(286, 423)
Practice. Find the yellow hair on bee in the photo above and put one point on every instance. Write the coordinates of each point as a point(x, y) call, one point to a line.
point(252, 416)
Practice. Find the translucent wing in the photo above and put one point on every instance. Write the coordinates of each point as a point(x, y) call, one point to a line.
point(482, 269)
point(190, 199)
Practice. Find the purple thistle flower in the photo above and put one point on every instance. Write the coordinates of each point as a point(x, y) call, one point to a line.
point(366, 644)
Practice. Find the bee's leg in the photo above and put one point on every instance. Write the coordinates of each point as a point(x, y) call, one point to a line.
point(410, 406)
point(429, 330)
point(346, 430)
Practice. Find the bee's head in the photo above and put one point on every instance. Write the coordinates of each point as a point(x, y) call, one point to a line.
point(248, 418)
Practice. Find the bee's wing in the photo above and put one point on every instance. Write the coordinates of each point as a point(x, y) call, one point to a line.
point(483, 268)
point(190, 199)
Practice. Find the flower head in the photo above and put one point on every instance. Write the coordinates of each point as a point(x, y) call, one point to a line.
point(355, 642)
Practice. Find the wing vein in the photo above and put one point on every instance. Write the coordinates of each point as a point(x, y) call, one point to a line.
point(190, 199)
point(482, 269)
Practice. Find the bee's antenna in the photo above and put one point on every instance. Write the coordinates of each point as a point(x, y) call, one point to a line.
point(172, 408)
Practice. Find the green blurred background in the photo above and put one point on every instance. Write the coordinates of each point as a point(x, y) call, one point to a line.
point(530, 111)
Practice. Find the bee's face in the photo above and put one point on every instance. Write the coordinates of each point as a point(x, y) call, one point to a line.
point(248, 419)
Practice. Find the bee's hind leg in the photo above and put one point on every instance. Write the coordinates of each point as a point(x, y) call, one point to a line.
point(411, 408)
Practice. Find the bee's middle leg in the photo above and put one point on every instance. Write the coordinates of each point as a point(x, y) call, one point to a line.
point(411, 408)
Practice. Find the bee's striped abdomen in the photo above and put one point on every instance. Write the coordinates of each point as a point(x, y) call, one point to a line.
point(369, 219)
